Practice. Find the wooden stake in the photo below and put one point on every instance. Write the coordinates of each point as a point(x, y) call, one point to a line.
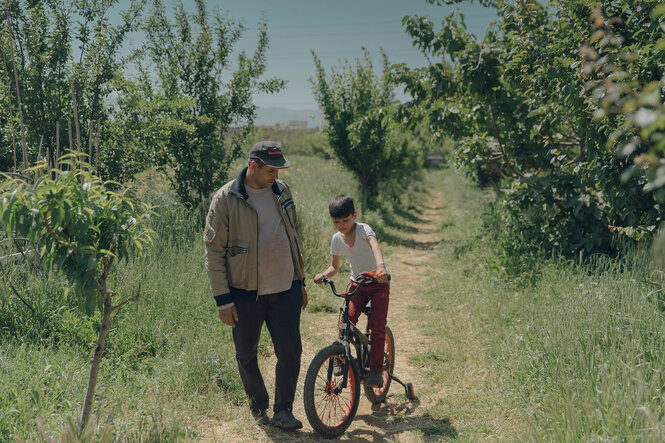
point(56, 162)
point(39, 152)
point(9, 99)
point(24, 145)
point(76, 120)
point(99, 127)
point(90, 142)
point(71, 141)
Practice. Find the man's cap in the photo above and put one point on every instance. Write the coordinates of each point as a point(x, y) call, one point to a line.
point(270, 153)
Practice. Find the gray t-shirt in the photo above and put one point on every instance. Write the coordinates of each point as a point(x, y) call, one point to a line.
point(276, 269)
point(360, 255)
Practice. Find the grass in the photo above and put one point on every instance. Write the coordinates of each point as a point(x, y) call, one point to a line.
point(574, 352)
point(578, 352)
point(591, 348)
point(168, 358)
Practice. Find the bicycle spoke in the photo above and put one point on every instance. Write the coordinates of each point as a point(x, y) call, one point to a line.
point(333, 407)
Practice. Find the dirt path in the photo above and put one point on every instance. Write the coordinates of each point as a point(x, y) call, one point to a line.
point(398, 419)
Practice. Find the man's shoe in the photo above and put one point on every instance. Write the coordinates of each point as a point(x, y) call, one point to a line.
point(261, 418)
point(374, 379)
point(285, 420)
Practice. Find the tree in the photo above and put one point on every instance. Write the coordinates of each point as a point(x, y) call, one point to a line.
point(200, 118)
point(81, 229)
point(627, 80)
point(517, 105)
point(359, 109)
point(63, 71)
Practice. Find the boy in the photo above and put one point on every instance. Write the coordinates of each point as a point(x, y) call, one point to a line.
point(357, 241)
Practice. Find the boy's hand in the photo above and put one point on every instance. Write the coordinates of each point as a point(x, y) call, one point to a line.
point(318, 278)
point(381, 274)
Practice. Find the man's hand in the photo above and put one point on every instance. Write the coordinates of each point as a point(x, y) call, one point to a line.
point(304, 298)
point(318, 278)
point(229, 316)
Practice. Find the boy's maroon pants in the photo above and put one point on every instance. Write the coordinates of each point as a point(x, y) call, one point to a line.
point(379, 294)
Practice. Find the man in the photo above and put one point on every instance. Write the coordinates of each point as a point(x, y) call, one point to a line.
point(256, 272)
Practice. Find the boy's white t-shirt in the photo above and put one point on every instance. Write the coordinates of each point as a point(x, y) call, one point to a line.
point(360, 256)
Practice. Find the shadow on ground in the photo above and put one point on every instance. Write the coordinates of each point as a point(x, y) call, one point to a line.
point(402, 220)
point(387, 421)
point(397, 234)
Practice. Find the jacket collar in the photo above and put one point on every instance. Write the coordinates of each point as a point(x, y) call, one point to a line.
point(237, 188)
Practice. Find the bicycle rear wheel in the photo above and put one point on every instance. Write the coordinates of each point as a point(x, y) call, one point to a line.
point(329, 408)
point(378, 395)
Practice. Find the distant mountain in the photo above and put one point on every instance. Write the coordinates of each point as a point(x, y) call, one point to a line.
point(282, 116)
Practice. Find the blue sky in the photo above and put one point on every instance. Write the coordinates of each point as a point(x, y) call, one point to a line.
point(334, 29)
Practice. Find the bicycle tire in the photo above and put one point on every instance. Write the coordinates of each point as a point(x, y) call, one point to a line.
point(330, 413)
point(378, 395)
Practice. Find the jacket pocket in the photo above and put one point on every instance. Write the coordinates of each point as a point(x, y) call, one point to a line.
point(209, 233)
point(236, 264)
point(290, 214)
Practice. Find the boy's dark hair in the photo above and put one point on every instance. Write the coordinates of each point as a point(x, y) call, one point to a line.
point(341, 206)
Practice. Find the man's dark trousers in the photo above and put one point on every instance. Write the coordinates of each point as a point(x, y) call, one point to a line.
point(281, 314)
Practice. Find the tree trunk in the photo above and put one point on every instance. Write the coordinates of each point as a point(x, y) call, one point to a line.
point(96, 360)
point(363, 197)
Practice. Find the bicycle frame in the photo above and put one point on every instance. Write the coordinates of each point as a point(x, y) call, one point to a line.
point(334, 377)
point(351, 335)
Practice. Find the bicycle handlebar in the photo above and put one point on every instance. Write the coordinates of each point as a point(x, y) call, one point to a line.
point(364, 278)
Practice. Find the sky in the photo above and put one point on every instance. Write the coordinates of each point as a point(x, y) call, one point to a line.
point(334, 29)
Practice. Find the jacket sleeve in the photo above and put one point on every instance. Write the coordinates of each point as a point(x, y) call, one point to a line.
point(296, 228)
point(215, 237)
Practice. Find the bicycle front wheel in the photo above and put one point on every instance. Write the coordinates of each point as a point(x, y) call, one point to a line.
point(378, 395)
point(330, 408)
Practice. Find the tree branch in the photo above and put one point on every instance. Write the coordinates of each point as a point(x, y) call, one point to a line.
point(52, 233)
point(131, 299)
point(107, 261)
point(503, 152)
point(105, 291)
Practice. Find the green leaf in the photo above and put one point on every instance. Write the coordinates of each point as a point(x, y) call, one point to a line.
point(658, 11)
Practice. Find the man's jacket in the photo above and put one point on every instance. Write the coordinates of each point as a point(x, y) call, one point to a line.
point(231, 239)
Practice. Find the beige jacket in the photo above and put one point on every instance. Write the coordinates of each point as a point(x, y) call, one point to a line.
point(231, 239)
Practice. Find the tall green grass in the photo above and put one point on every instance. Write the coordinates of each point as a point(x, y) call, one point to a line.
point(169, 362)
point(574, 352)
point(587, 351)
point(578, 348)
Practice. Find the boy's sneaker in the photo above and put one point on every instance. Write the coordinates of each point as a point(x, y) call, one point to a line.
point(285, 420)
point(261, 417)
point(374, 379)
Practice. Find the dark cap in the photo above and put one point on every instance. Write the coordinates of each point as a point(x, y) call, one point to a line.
point(270, 153)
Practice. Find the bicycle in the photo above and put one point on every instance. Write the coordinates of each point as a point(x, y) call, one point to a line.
point(332, 384)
